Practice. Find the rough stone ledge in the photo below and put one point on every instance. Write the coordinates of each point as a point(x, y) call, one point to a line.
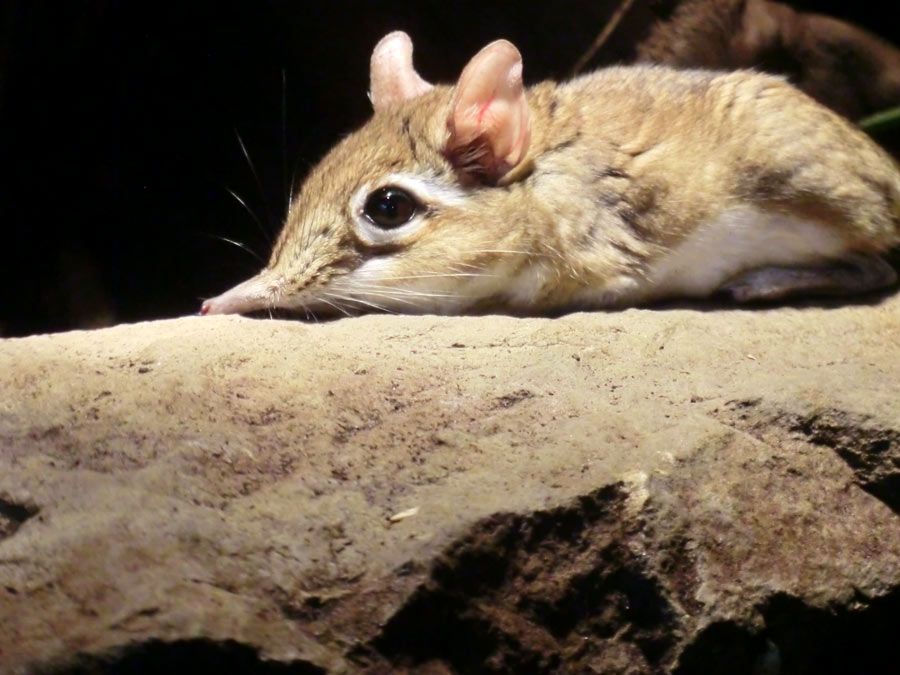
point(648, 491)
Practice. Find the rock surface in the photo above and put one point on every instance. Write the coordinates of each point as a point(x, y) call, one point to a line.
point(672, 490)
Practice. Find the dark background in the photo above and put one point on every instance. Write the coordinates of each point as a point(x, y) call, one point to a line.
point(119, 124)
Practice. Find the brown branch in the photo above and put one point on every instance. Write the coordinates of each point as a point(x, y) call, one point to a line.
point(610, 26)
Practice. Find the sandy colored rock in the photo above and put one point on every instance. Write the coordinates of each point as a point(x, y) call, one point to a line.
point(662, 490)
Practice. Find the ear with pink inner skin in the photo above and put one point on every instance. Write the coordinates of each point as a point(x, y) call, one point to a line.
point(490, 123)
point(392, 77)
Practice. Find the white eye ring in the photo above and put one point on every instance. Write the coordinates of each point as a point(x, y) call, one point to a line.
point(427, 194)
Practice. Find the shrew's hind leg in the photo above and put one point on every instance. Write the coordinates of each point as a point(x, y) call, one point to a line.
point(855, 273)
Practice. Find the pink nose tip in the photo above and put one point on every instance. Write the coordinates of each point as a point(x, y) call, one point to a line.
point(204, 308)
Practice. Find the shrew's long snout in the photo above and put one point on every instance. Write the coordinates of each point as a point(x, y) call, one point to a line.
point(259, 292)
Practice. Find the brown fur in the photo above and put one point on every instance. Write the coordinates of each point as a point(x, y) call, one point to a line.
point(840, 65)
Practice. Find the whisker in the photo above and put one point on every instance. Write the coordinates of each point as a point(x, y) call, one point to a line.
point(337, 307)
point(256, 220)
point(394, 298)
point(361, 301)
point(259, 186)
point(387, 290)
point(239, 245)
point(438, 276)
point(470, 266)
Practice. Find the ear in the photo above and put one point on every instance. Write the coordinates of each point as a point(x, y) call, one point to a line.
point(490, 123)
point(392, 77)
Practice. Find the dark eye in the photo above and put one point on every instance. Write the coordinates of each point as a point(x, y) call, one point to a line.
point(390, 207)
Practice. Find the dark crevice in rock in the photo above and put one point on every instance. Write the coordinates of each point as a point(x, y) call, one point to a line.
point(858, 638)
point(184, 656)
point(723, 648)
point(871, 449)
point(12, 515)
point(801, 640)
point(545, 592)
